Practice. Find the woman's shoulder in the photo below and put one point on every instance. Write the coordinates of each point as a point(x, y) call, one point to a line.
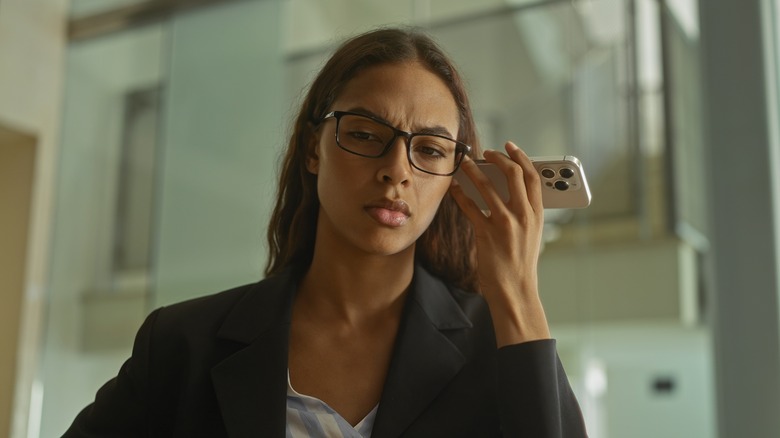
point(436, 293)
point(197, 316)
point(210, 303)
point(208, 313)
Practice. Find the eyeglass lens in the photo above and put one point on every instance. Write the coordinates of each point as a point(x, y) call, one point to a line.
point(364, 136)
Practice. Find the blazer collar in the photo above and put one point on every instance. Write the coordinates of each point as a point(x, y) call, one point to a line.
point(424, 359)
point(266, 306)
point(251, 384)
point(436, 302)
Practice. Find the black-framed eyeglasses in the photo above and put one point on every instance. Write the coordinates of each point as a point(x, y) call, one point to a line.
point(370, 137)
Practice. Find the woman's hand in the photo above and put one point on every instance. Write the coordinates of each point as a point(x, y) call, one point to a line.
point(508, 244)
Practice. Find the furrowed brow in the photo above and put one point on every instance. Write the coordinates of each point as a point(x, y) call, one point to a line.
point(428, 130)
point(435, 130)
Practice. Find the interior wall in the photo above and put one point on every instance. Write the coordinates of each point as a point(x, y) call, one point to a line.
point(641, 379)
point(740, 124)
point(17, 167)
point(32, 46)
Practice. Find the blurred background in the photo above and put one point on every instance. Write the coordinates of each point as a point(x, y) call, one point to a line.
point(140, 140)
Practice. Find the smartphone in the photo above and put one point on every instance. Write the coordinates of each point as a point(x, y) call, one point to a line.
point(563, 182)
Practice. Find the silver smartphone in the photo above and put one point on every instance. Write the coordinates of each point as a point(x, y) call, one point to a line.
point(563, 182)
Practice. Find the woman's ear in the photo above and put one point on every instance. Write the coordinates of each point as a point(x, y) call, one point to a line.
point(312, 151)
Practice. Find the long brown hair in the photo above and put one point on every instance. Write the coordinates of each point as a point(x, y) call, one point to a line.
point(446, 248)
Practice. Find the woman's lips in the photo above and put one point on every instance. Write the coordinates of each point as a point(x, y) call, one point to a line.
point(389, 213)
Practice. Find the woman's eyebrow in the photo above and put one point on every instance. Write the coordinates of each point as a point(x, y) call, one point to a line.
point(367, 112)
point(435, 130)
point(432, 130)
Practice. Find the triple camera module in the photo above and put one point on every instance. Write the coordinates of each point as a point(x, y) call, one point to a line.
point(561, 184)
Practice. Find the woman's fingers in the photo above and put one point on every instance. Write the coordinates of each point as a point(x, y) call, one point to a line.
point(531, 187)
point(522, 180)
point(507, 243)
point(523, 184)
point(466, 204)
point(513, 174)
point(482, 183)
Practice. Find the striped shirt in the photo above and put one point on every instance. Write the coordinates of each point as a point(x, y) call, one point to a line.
point(310, 417)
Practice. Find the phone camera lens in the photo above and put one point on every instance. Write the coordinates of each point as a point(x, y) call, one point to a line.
point(566, 172)
point(561, 185)
point(548, 173)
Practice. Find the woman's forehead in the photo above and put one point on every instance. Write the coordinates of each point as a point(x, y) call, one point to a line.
point(406, 93)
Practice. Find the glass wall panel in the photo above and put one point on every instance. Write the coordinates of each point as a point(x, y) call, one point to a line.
point(224, 124)
point(169, 148)
point(100, 265)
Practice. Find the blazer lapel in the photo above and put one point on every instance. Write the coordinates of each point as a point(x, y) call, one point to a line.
point(424, 359)
point(251, 384)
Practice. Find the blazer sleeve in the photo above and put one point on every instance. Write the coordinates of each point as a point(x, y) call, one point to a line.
point(534, 395)
point(120, 408)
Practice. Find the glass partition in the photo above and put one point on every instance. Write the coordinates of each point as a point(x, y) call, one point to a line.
point(109, 155)
point(169, 144)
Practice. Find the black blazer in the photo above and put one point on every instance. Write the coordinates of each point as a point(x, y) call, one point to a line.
point(217, 366)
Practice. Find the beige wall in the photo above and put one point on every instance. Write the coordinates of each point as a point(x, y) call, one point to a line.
point(32, 46)
point(17, 164)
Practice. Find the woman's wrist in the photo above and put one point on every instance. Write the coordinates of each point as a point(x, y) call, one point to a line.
point(518, 316)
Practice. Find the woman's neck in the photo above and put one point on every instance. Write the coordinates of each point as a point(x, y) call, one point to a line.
point(356, 287)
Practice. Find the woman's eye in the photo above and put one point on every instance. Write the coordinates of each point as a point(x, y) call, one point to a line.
point(430, 151)
point(363, 136)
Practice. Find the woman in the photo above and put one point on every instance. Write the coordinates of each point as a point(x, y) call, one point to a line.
point(367, 323)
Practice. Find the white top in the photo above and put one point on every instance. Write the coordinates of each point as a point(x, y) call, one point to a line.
point(310, 417)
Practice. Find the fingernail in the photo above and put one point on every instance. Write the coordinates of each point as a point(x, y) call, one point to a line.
point(512, 145)
point(454, 183)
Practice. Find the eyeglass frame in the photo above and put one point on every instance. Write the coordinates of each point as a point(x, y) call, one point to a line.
point(460, 147)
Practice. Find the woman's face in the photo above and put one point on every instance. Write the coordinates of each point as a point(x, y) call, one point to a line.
point(380, 206)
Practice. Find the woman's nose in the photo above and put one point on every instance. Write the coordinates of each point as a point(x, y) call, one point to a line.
point(396, 168)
